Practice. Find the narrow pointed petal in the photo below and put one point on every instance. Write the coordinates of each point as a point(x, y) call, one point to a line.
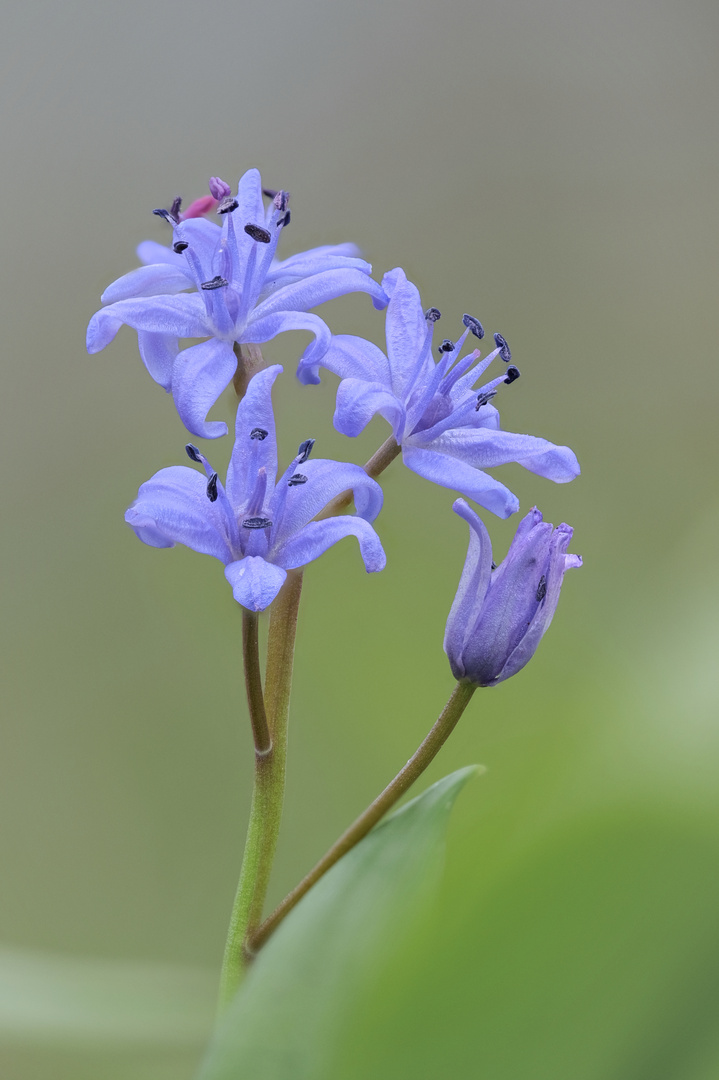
point(473, 584)
point(406, 330)
point(255, 582)
point(318, 289)
point(149, 252)
point(179, 316)
point(352, 357)
point(255, 440)
point(203, 237)
point(318, 536)
point(199, 376)
point(154, 280)
point(172, 508)
point(249, 196)
point(457, 475)
point(250, 211)
point(259, 330)
point(325, 480)
point(357, 403)
point(158, 353)
point(313, 261)
point(485, 448)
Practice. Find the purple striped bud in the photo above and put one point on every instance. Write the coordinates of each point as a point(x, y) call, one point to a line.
point(500, 615)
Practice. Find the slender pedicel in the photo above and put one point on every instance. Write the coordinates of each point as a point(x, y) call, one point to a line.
point(376, 465)
point(253, 682)
point(422, 757)
point(268, 794)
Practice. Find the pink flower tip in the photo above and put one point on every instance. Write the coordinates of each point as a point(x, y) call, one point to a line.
point(204, 205)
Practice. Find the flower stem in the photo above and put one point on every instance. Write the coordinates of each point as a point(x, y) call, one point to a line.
point(269, 787)
point(249, 361)
point(253, 682)
point(425, 753)
point(379, 461)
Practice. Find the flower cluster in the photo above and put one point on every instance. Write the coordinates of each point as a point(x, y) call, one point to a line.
point(221, 281)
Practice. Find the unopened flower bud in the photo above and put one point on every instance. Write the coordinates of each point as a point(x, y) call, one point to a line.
point(500, 615)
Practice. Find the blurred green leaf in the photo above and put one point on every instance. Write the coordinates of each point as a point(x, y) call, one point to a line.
point(289, 1012)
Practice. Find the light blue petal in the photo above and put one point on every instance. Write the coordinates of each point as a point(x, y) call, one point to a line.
point(249, 196)
point(178, 316)
point(357, 403)
point(148, 281)
point(149, 251)
point(485, 448)
point(473, 584)
point(314, 261)
point(173, 508)
point(203, 238)
point(199, 376)
point(158, 354)
point(318, 289)
point(352, 357)
point(325, 480)
point(250, 454)
point(454, 474)
point(318, 536)
point(259, 330)
point(255, 582)
point(406, 330)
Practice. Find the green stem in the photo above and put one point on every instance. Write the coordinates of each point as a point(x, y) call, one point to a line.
point(269, 787)
point(379, 461)
point(425, 753)
point(253, 682)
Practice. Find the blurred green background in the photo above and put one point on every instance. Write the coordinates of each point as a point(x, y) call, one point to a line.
point(551, 167)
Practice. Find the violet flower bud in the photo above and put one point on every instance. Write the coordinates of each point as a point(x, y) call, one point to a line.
point(499, 615)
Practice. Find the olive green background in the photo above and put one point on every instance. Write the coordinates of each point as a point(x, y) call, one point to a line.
point(551, 167)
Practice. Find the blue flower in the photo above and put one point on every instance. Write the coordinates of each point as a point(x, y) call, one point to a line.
point(243, 294)
point(447, 428)
point(500, 615)
point(257, 528)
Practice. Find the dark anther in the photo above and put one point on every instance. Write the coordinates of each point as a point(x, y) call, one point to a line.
point(216, 283)
point(258, 433)
point(298, 478)
point(504, 351)
point(212, 488)
point(474, 325)
point(256, 523)
point(446, 346)
point(193, 453)
point(175, 208)
point(494, 566)
point(304, 450)
point(227, 205)
point(512, 374)
point(284, 220)
point(269, 192)
point(433, 314)
point(482, 399)
point(179, 246)
point(167, 216)
point(541, 588)
point(281, 200)
point(258, 233)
